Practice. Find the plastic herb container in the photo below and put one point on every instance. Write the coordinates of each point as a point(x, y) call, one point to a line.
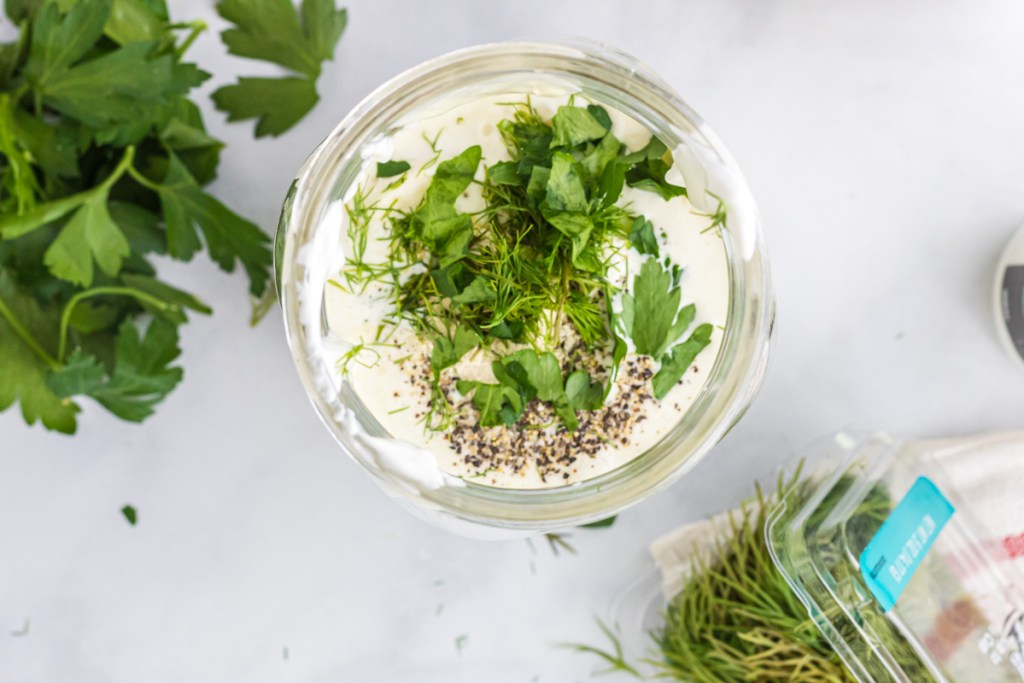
point(891, 555)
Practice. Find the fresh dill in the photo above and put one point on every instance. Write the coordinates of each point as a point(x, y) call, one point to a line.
point(558, 543)
point(614, 658)
point(737, 619)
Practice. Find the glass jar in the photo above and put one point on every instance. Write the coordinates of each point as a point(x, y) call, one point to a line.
point(307, 231)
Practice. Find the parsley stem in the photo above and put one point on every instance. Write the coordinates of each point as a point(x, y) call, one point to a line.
point(26, 336)
point(65, 318)
point(197, 27)
point(124, 165)
point(142, 180)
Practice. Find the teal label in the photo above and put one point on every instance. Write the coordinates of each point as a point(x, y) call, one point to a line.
point(900, 544)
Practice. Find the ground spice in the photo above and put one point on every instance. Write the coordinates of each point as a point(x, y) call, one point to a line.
point(539, 441)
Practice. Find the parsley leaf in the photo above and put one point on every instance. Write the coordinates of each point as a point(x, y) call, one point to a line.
point(132, 21)
point(649, 168)
point(651, 310)
point(269, 31)
point(273, 31)
point(130, 514)
point(323, 24)
point(447, 352)
point(543, 372)
point(582, 393)
point(277, 104)
point(674, 364)
point(498, 404)
point(124, 90)
point(59, 40)
point(600, 115)
point(654, 321)
point(91, 234)
point(504, 173)
point(565, 191)
point(103, 160)
point(573, 125)
point(141, 377)
point(597, 159)
point(23, 378)
point(641, 236)
point(436, 222)
point(477, 291)
point(229, 237)
point(389, 169)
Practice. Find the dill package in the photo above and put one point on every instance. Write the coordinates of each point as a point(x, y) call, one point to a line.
point(878, 567)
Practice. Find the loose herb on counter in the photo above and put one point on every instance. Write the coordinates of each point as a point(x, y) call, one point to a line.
point(272, 31)
point(104, 161)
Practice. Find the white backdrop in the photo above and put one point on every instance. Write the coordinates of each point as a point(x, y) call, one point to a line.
point(884, 143)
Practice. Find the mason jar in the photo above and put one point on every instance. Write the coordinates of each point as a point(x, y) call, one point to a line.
point(308, 231)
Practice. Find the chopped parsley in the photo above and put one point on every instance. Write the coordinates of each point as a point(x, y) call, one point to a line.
point(129, 513)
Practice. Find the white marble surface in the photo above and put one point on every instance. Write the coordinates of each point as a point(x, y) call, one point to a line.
point(885, 145)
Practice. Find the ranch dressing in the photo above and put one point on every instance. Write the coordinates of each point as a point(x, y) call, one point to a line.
point(381, 378)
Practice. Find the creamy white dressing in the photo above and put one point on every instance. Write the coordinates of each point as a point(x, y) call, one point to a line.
point(416, 457)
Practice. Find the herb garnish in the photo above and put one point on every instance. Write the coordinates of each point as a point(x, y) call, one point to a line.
point(653, 319)
point(390, 169)
point(530, 273)
point(273, 31)
point(129, 513)
point(103, 163)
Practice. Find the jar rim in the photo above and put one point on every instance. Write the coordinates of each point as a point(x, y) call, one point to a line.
point(739, 366)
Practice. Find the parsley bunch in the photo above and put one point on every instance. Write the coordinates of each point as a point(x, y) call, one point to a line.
point(103, 164)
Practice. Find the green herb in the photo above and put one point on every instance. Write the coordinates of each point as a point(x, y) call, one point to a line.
point(298, 40)
point(600, 524)
point(651, 312)
point(575, 125)
point(448, 352)
point(140, 378)
point(558, 542)
point(654, 321)
point(436, 223)
point(678, 361)
point(498, 404)
point(103, 164)
point(600, 114)
point(649, 168)
point(615, 659)
point(531, 269)
point(737, 619)
point(641, 236)
point(389, 169)
point(130, 514)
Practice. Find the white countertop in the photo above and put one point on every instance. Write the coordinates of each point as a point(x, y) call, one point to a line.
point(884, 143)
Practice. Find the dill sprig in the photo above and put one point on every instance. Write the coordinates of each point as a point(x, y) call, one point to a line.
point(614, 658)
point(737, 619)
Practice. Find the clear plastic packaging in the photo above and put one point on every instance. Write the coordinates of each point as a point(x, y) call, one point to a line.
point(960, 616)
